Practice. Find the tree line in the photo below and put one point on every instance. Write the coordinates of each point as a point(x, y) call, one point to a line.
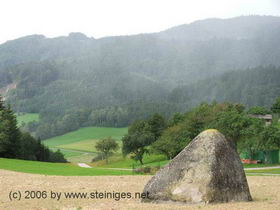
point(111, 116)
point(168, 137)
point(21, 145)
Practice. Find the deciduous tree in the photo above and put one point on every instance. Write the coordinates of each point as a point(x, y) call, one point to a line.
point(107, 147)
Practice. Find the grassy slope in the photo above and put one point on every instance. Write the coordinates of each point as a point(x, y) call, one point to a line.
point(26, 118)
point(61, 169)
point(88, 133)
point(78, 146)
point(83, 158)
point(69, 153)
point(86, 145)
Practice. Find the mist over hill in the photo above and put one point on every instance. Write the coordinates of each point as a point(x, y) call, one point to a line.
point(180, 54)
point(114, 80)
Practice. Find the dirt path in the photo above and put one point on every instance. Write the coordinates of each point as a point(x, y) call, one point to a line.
point(83, 165)
point(265, 192)
point(119, 169)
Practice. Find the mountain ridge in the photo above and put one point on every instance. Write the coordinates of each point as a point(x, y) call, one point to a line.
point(121, 75)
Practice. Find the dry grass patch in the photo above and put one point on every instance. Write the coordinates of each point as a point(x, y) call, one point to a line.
point(265, 191)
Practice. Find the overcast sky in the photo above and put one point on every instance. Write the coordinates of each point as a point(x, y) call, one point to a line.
point(99, 18)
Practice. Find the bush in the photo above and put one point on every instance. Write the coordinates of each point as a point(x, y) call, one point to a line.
point(57, 157)
point(98, 157)
point(146, 170)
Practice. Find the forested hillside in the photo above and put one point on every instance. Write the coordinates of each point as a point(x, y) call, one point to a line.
point(254, 87)
point(76, 80)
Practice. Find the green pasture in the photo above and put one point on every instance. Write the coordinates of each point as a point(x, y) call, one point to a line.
point(88, 133)
point(70, 169)
point(59, 169)
point(79, 146)
point(265, 171)
point(86, 145)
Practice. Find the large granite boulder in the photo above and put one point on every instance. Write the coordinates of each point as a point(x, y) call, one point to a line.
point(208, 170)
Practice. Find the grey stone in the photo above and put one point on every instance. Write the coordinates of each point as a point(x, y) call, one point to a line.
point(208, 170)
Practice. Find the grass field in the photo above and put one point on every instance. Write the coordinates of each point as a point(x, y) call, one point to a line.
point(83, 158)
point(86, 145)
point(27, 117)
point(88, 133)
point(118, 161)
point(265, 171)
point(259, 165)
point(69, 153)
point(60, 169)
point(70, 169)
point(79, 146)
